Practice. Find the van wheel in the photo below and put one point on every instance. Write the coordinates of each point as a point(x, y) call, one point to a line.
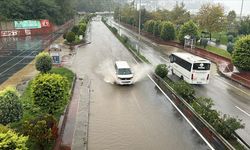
point(182, 78)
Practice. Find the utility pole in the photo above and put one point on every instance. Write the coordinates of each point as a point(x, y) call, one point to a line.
point(139, 26)
point(241, 8)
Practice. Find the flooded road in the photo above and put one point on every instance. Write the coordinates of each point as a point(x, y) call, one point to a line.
point(228, 97)
point(136, 117)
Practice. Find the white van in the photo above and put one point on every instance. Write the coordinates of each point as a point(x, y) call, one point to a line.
point(124, 74)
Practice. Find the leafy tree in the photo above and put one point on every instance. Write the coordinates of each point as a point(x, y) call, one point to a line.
point(157, 28)
point(43, 62)
point(231, 16)
point(241, 57)
point(167, 31)
point(184, 89)
point(211, 18)
point(244, 27)
point(11, 109)
point(230, 38)
point(71, 37)
point(50, 92)
point(12, 141)
point(82, 28)
point(179, 15)
point(189, 28)
point(161, 70)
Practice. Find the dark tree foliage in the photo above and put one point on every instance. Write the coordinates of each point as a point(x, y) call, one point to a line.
point(57, 11)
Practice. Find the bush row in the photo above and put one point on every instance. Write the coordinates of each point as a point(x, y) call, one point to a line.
point(223, 124)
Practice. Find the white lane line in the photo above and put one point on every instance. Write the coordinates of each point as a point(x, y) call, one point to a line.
point(196, 130)
point(243, 111)
point(233, 86)
point(164, 59)
point(210, 146)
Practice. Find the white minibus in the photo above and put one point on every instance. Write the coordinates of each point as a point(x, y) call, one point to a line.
point(190, 68)
point(124, 75)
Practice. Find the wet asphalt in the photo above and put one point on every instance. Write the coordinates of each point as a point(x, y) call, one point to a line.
point(229, 97)
point(136, 117)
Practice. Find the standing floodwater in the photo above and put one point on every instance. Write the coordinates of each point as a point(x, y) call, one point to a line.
point(137, 117)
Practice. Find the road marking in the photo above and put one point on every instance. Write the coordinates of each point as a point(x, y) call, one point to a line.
point(210, 146)
point(243, 111)
point(233, 86)
point(164, 59)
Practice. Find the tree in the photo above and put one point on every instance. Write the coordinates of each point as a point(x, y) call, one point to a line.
point(230, 47)
point(9, 140)
point(211, 18)
point(75, 29)
point(149, 26)
point(231, 16)
point(161, 70)
point(43, 62)
point(167, 31)
point(241, 57)
point(11, 109)
point(71, 37)
point(189, 28)
point(179, 15)
point(50, 92)
point(244, 27)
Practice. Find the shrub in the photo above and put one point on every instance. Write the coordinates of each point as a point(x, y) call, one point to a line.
point(82, 29)
point(184, 89)
point(189, 28)
point(9, 140)
point(230, 47)
point(204, 42)
point(149, 26)
point(11, 109)
point(43, 62)
point(167, 31)
point(41, 130)
point(157, 28)
point(125, 39)
point(65, 35)
point(75, 29)
point(228, 125)
point(230, 38)
point(241, 57)
point(50, 92)
point(161, 70)
point(70, 37)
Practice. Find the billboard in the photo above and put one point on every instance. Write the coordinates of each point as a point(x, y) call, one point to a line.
point(27, 24)
point(45, 23)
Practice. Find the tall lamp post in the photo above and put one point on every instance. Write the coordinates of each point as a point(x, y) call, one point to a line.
point(241, 8)
point(139, 26)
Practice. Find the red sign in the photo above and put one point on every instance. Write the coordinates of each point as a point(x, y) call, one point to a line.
point(45, 23)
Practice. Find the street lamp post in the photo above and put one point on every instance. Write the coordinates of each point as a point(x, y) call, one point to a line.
point(241, 8)
point(139, 26)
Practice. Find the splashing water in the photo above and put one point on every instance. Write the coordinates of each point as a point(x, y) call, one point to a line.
point(141, 71)
point(107, 70)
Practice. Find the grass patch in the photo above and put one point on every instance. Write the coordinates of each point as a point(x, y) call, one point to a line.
point(222, 36)
point(217, 51)
point(31, 111)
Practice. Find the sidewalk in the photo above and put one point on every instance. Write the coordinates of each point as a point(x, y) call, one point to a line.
point(224, 65)
point(74, 125)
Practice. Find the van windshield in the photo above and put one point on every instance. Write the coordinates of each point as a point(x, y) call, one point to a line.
point(201, 66)
point(124, 71)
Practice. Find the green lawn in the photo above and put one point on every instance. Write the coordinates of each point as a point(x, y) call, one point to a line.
point(223, 39)
point(217, 51)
